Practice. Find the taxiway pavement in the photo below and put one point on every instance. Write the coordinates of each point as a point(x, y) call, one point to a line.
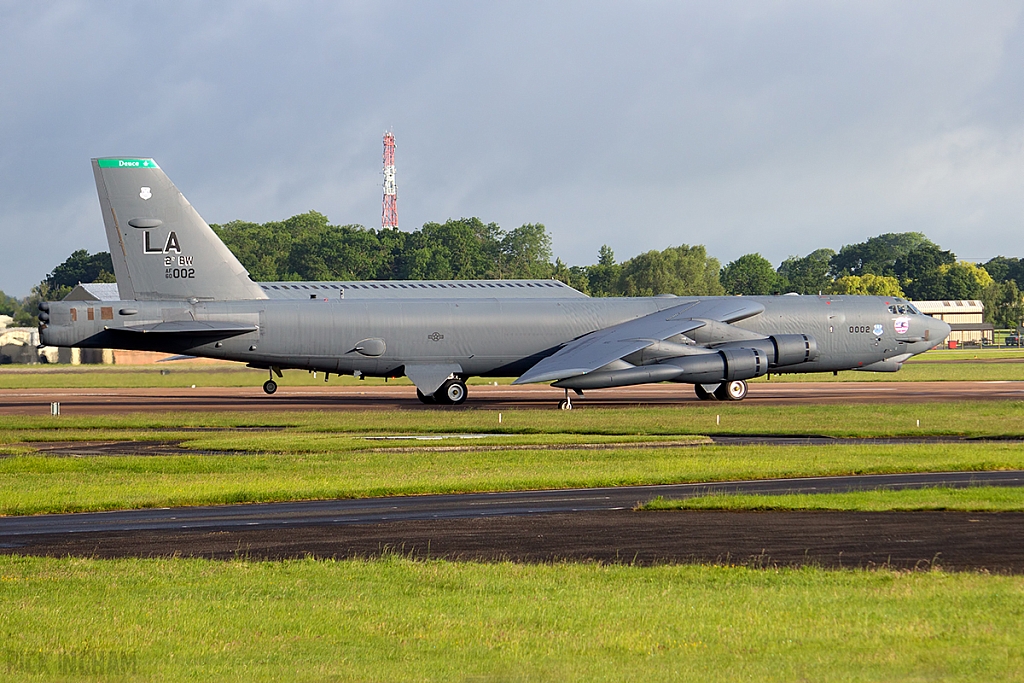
point(376, 397)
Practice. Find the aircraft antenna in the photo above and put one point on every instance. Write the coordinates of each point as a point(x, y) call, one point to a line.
point(389, 211)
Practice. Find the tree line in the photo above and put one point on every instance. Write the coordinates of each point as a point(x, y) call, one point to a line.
point(308, 247)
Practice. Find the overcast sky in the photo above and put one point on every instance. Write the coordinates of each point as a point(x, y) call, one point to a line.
point(775, 127)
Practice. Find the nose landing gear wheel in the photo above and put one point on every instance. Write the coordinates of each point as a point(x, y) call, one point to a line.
point(452, 393)
point(732, 391)
point(270, 386)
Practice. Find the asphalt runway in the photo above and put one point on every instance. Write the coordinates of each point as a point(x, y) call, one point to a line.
point(578, 524)
point(398, 397)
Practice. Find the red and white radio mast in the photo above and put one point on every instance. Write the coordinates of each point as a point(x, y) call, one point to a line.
point(389, 213)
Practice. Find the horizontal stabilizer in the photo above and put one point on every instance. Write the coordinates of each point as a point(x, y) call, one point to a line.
point(200, 328)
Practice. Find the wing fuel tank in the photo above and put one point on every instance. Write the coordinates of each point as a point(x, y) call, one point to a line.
point(621, 378)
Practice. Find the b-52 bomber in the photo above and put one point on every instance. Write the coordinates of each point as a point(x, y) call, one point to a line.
point(182, 291)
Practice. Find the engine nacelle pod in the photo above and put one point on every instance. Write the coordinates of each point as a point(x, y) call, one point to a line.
point(744, 363)
point(727, 365)
point(791, 349)
point(780, 349)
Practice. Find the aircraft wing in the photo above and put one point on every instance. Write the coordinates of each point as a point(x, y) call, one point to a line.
point(597, 349)
point(185, 327)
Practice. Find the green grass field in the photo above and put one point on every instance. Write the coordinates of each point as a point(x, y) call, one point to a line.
point(327, 455)
point(35, 484)
point(395, 619)
point(242, 430)
point(256, 457)
point(400, 620)
point(973, 499)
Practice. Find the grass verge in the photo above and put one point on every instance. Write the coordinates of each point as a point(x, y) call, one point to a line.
point(269, 430)
point(400, 620)
point(972, 499)
point(37, 484)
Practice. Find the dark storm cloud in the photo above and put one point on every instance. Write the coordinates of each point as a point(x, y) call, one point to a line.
point(748, 126)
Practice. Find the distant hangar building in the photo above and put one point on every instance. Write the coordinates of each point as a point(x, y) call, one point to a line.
point(965, 318)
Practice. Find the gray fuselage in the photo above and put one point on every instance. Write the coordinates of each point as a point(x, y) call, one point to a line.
point(483, 336)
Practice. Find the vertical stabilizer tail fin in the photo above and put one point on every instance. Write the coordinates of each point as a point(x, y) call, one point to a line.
point(161, 247)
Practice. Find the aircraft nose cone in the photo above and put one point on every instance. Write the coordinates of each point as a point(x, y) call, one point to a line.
point(939, 330)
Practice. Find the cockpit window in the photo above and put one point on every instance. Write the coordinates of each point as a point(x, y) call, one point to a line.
point(902, 309)
point(913, 309)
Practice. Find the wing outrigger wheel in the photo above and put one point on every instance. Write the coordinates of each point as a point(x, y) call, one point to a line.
point(731, 391)
point(270, 386)
point(565, 403)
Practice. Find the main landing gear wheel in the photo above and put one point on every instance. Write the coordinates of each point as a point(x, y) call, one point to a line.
point(270, 386)
point(424, 398)
point(452, 393)
point(702, 392)
point(732, 391)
